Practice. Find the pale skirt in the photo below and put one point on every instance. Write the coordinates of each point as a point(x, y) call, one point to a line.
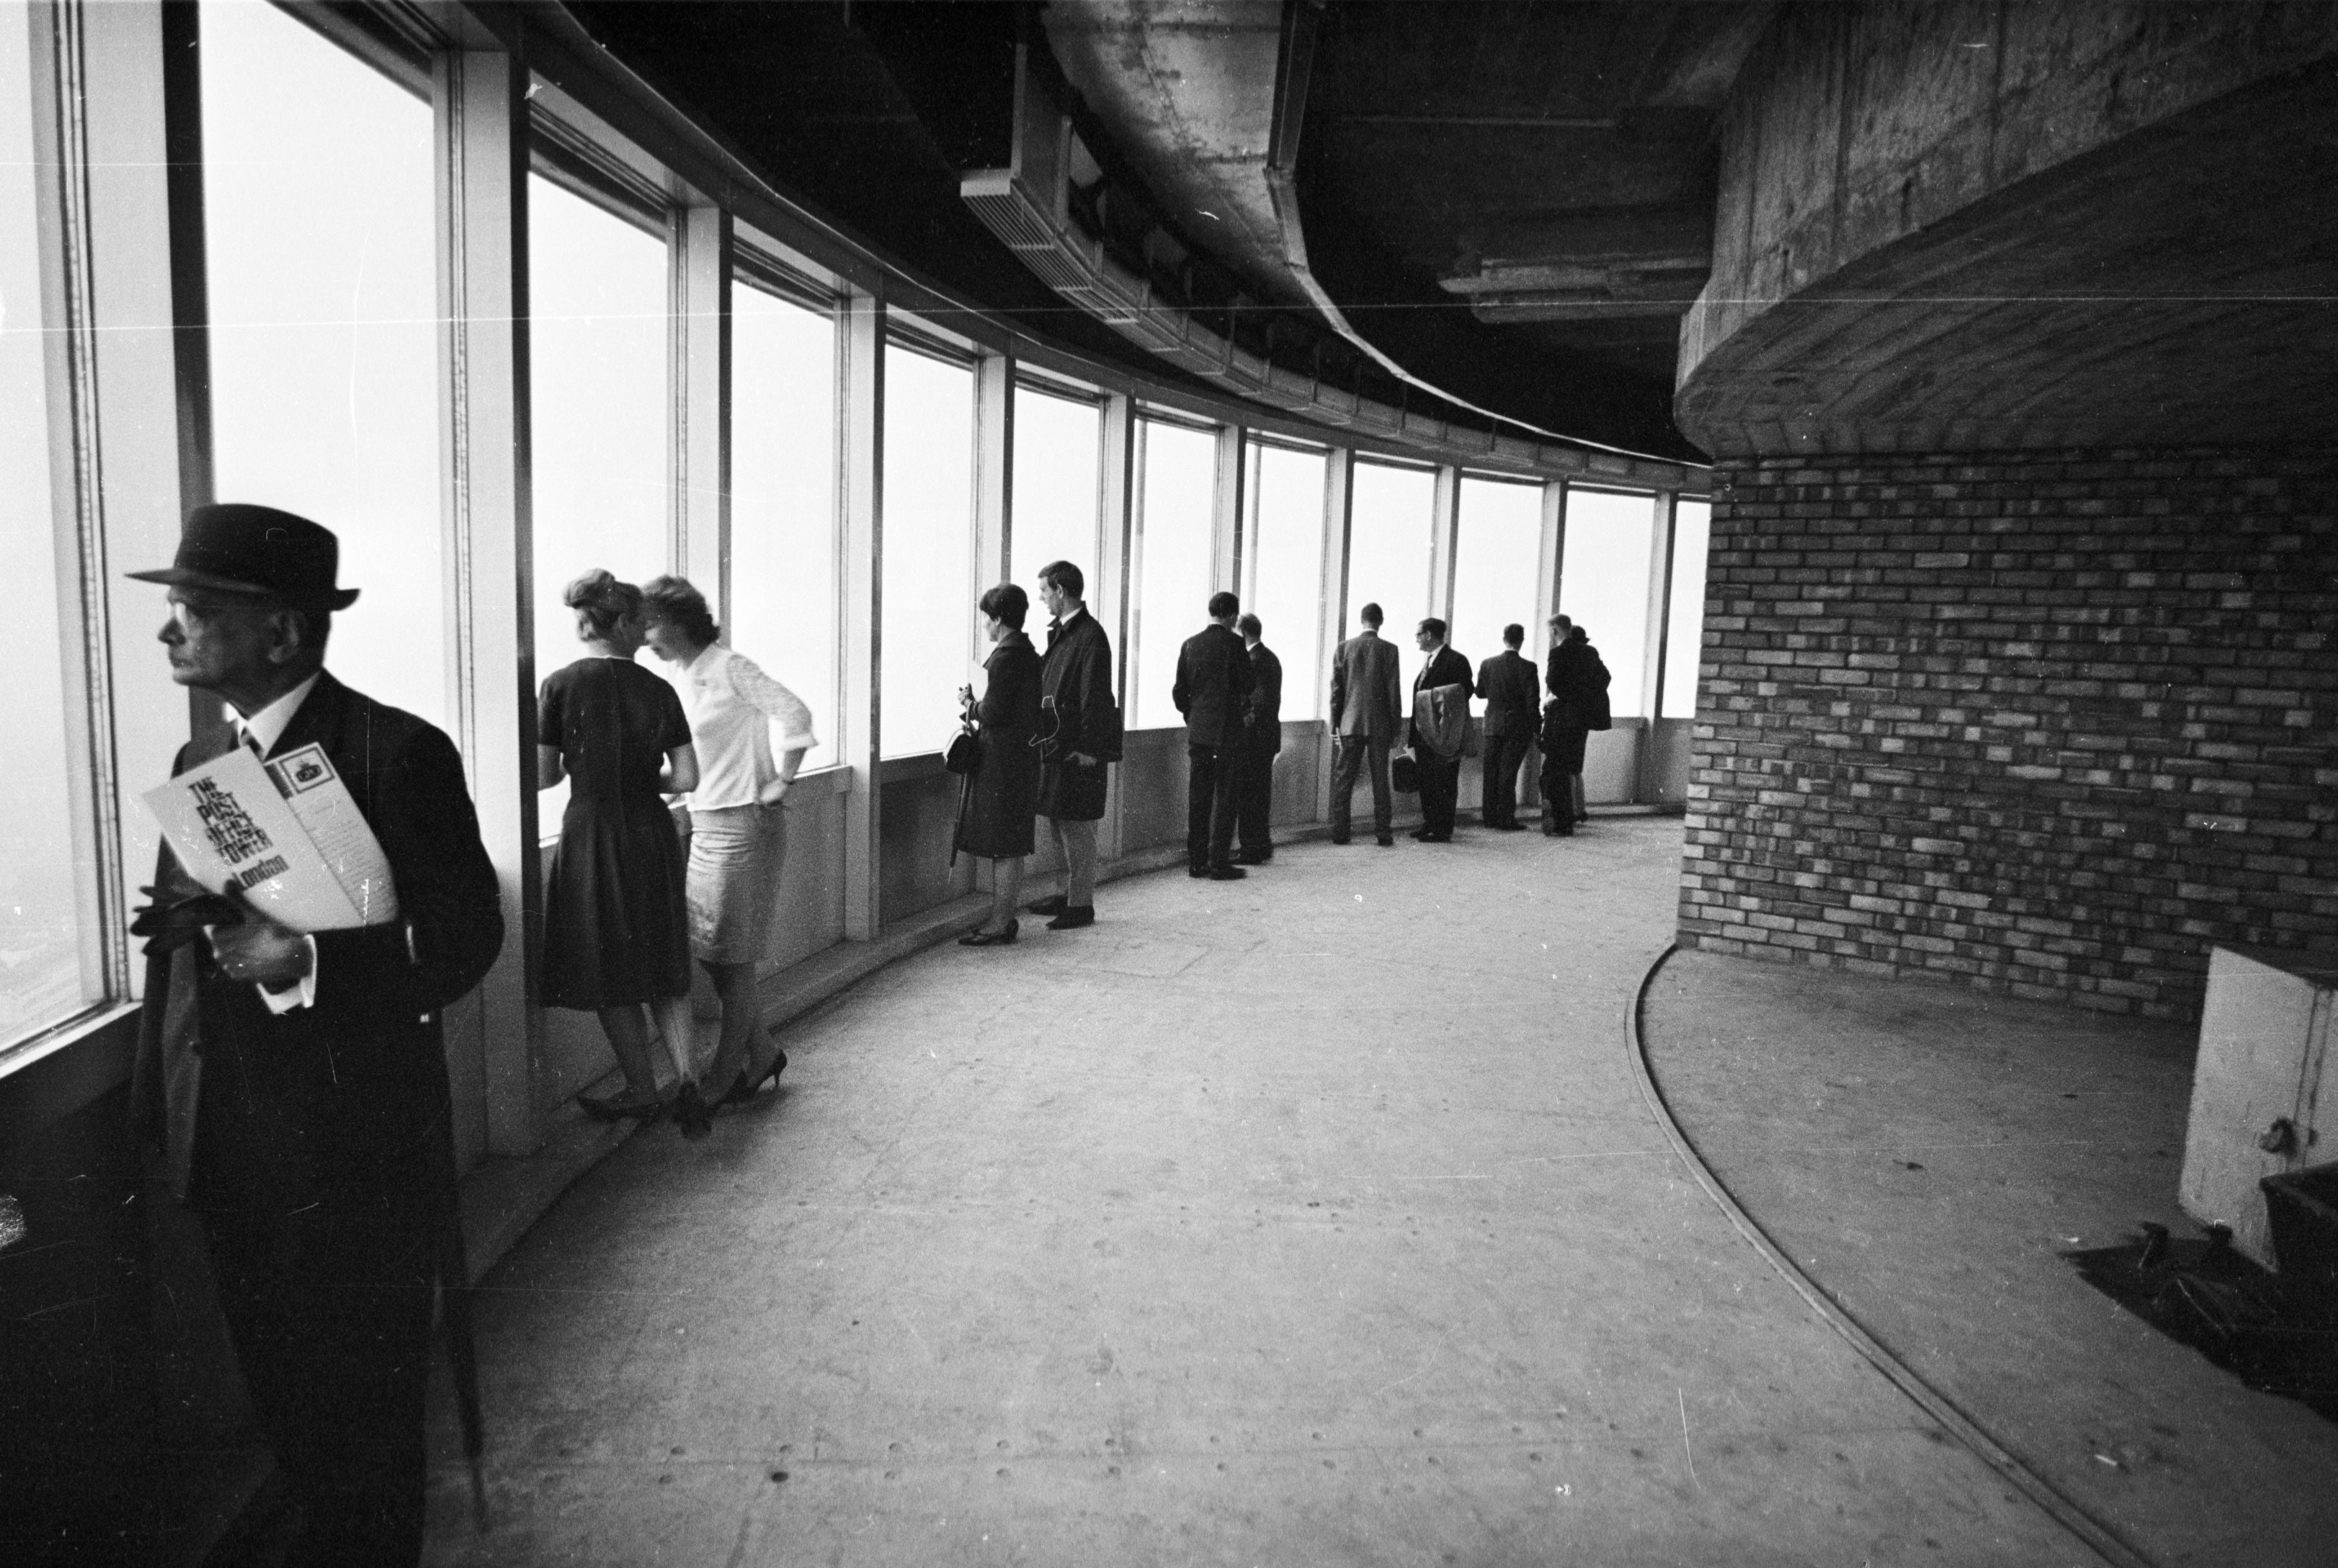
point(735, 852)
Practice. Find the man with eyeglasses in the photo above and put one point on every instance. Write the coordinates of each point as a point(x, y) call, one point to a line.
point(292, 1086)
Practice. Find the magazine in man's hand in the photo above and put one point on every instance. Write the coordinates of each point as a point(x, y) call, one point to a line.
point(285, 836)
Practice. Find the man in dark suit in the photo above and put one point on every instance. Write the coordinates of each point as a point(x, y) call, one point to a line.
point(1076, 684)
point(1264, 743)
point(1440, 769)
point(1576, 680)
point(1507, 684)
point(293, 1086)
point(1213, 692)
point(1367, 710)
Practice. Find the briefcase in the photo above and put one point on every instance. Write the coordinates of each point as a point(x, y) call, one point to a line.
point(1404, 774)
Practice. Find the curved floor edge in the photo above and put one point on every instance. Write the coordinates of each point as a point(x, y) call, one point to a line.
point(2096, 1535)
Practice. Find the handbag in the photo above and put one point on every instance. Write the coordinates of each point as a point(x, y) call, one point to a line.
point(1404, 774)
point(964, 755)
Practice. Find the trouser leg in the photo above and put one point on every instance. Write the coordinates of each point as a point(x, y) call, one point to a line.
point(1383, 796)
point(1200, 800)
point(1492, 808)
point(1347, 763)
point(1441, 786)
point(330, 1315)
point(1225, 805)
point(1504, 762)
point(1257, 802)
point(1076, 843)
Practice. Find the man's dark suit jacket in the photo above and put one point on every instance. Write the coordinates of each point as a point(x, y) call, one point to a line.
point(331, 1104)
point(1265, 702)
point(1507, 683)
point(1445, 668)
point(1213, 683)
point(1576, 681)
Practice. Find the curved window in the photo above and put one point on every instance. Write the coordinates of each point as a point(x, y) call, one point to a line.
point(1176, 490)
point(1602, 585)
point(320, 236)
point(1685, 628)
point(1286, 568)
point(597, 377)
point(1388, 545)
point(1058, 450)
point(929, 647)
point(50, 954)
point(784, 578)
point(1495, 560)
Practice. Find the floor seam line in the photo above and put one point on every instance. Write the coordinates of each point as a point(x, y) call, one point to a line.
point(2098, 1537)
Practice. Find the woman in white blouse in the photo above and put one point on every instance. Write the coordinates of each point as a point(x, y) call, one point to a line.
point(737, 832)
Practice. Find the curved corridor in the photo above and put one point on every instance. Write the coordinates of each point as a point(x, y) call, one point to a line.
point(1311, 1219)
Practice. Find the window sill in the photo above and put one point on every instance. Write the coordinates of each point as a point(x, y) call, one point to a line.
point(100, 1017)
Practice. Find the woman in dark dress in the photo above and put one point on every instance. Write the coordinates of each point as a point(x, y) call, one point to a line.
point(617, 922)
point(1001, 797)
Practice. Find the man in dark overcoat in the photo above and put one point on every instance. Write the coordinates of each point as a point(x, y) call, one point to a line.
point(1264, 743)
point(1213, 692)
point(1576, 680)
point(293, 1087)
point(1440, 771)
point(1507, 684)
point(1082, 737)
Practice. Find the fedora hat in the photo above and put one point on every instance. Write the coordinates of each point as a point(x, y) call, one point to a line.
point(259, 552)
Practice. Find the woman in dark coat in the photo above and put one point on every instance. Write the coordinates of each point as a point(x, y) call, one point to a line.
point(616, 922)
point(1001, 796)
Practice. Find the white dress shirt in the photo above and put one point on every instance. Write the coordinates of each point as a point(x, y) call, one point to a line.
point(261, 731)
point(732, 706)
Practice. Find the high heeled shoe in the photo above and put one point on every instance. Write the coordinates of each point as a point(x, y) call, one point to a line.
point(741, 1092)
point(692, 1113)
point(990, 938)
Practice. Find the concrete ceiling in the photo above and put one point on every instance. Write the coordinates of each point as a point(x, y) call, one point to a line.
point(1505, 202)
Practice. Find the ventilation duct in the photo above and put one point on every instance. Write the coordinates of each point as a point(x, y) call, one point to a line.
point(1028, 206)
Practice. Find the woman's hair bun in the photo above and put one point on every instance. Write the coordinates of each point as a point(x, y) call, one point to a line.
point(601, 600)
point(589, 588)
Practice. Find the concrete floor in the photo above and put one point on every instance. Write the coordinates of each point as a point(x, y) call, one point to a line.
point(1315, 1218)
point(1926, 1154)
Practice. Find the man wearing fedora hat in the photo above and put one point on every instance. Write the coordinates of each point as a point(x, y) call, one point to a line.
point(293, 1088)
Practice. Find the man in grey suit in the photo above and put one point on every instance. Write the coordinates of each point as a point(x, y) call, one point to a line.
point(1367, 706)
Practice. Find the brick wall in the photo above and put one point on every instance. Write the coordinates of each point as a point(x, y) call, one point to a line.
point(2048, 723)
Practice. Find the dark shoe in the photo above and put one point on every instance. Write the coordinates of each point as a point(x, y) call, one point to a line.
point(1248, 859)
point(1340, 838)
point(741, 1092)
point(621, 1105)
point(1417, 833)
point(1434, 838)
point(1074, 917)
point(692, 1113)
point(1386, 842)
point(1197, 870)
point(1054, 906)
point(991, 938)
point(1226, 874)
